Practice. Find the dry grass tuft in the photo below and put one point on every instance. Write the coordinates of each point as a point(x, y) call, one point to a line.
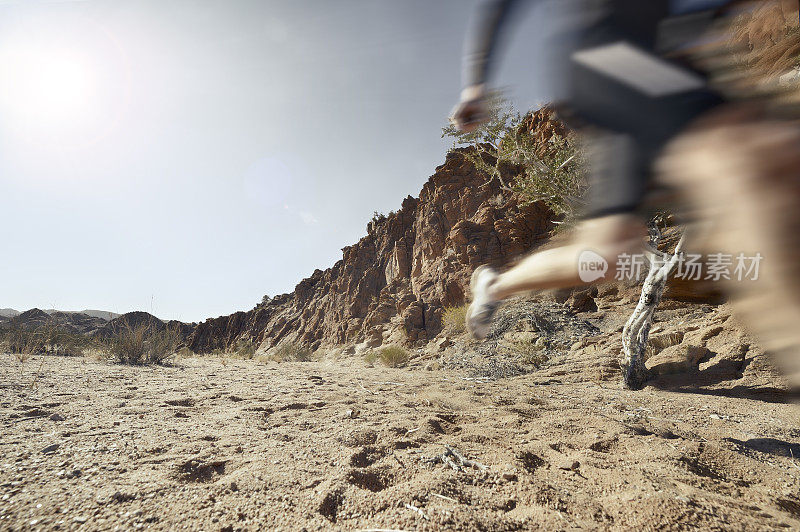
point(23, 343)
point(47, 339)
point(394, 356)
point(454, 319)
point(139, 344)
point(246, 350)
point(291, 352)
point(371, 357)
point(526, 352)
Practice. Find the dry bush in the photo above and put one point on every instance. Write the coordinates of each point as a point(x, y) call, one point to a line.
point(526, 352)
point(25, 343)
point(47, 339)
point(246, 350)
point(394, 356)
point(291, 352)
point(371, 357)
point(454, 320)
point(139, 344)
point(533, 155)
point(64, 343)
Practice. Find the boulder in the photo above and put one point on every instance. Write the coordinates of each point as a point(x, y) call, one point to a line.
point(677, 359)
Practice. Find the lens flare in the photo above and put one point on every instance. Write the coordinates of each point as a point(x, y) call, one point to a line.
point(46, 90)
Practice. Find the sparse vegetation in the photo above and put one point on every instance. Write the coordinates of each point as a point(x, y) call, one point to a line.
point(64, 343)
point(371, 357)
point(454, 320)
point(526, 352)
point(504, 147)
point(291, 352)
point(394, 356)
point(140, 344)
point(46, 339)
point(24, 343)
point(378, 218)
point(246, 350)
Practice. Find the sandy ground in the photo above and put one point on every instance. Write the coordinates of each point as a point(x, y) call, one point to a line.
point(207, 445)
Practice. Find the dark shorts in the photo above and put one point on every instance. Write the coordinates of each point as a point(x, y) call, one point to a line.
point(620, 84)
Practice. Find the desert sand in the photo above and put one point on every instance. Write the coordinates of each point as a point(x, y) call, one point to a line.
point(216, 444)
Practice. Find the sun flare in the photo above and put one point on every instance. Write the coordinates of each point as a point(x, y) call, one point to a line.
point(46, 90)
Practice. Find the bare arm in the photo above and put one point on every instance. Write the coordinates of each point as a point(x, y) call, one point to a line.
point(479, 55)
point(482, 41)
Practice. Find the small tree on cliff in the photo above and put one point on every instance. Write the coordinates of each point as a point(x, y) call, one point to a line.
point(545, 164)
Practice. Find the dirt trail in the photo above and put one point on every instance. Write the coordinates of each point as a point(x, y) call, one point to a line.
point(249, 446)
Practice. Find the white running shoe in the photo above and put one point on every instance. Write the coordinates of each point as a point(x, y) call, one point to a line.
point(483, 307)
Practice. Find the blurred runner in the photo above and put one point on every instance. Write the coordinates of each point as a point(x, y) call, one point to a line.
point(632, 82)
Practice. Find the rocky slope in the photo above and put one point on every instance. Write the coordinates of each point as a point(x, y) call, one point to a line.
point(393, 285)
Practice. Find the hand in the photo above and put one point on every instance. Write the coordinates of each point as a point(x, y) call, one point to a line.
point(471, 110)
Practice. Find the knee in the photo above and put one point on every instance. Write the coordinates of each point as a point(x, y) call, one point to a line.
point(612, 231)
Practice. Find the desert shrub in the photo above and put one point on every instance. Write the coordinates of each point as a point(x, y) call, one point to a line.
point(246, 350)
point(47, 339)
point(394, 356)
point(526, 352)
point(64, 343)
point(557, 178)
point(503, 148)
point(371, 357)
point(378, 218)
point(140, 344)
point(128, 346)
point(24, 343)
point(291, 352)
point(184, 352)
point(454, 320)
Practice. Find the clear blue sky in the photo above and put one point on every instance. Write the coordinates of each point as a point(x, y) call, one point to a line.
point(187, 157)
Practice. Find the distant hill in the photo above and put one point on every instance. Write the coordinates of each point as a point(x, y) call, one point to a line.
point(30, 319)
point(136, 319)
point(75, 322)
point(104, 314)
point(90, 322)
point(132, 320)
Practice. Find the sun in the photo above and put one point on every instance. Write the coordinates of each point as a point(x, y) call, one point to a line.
point(46, 91)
